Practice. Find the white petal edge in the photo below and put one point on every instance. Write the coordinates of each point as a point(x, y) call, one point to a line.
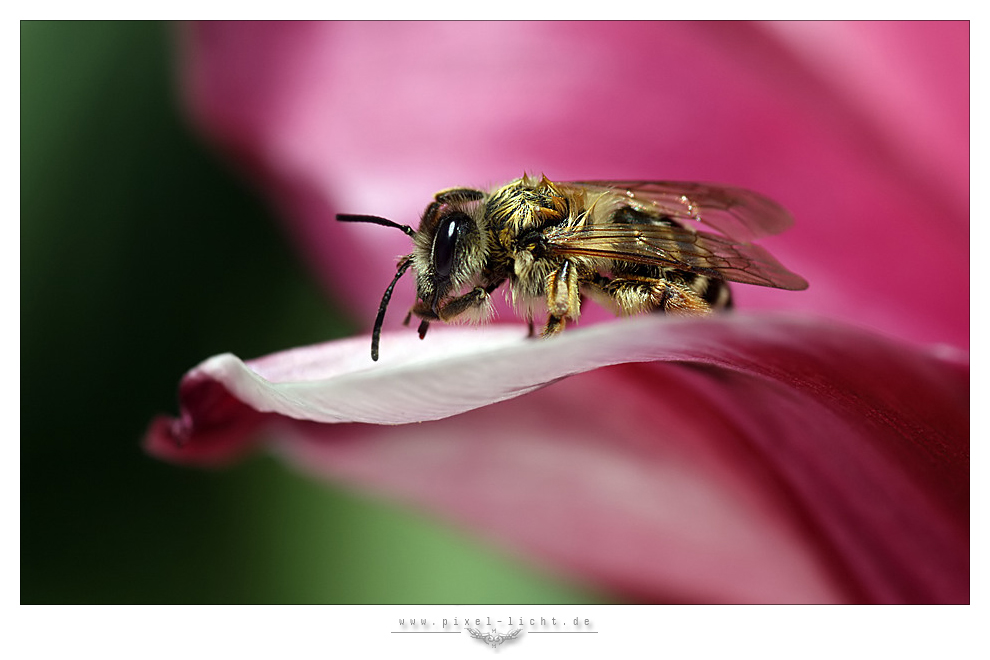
point(456, 369)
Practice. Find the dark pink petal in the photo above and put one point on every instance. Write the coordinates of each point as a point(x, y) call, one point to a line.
point(736, 459)
point(860, 129)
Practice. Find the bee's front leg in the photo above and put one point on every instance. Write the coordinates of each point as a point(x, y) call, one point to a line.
point(476, 304)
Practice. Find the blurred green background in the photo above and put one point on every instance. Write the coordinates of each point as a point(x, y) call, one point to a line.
point(141, 255)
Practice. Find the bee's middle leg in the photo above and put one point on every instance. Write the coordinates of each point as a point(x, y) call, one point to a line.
point(563, 298)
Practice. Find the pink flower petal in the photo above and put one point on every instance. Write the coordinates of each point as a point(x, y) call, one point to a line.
point(742, 458)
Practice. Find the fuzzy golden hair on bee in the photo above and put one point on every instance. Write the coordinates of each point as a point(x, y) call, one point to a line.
point(633, 246)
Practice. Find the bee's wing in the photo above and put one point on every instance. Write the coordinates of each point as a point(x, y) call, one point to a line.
point(740, 214)
point(676, 247)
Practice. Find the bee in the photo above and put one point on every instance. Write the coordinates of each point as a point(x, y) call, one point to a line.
point(633, 246)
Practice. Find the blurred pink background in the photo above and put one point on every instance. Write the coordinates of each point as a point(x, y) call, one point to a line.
point(860, 129)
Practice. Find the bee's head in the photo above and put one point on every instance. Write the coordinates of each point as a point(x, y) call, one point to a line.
point(450, 248)
point(449, 252)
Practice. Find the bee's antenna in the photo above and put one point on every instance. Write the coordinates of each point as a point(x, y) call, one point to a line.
point(375, 220)
point(377, 332)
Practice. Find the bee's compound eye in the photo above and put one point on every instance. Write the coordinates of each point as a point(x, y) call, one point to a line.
point(445, 241)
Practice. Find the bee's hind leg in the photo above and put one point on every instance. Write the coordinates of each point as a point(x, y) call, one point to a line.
point(630, 295)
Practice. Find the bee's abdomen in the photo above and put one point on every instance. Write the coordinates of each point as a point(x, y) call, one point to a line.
point(713, 291)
